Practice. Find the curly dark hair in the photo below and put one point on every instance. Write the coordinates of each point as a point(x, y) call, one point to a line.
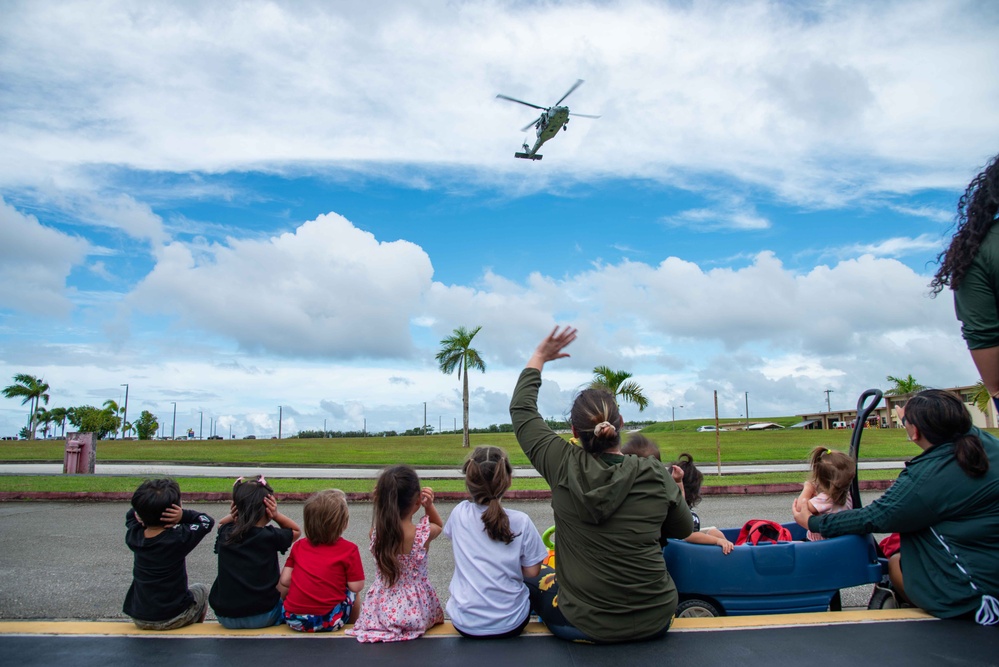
point(976, 213)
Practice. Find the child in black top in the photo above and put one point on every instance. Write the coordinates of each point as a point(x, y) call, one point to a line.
point(160, 534)
point(689, 479)
point(245, 593)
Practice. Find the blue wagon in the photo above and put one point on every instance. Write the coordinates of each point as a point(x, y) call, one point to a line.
point(780, 578)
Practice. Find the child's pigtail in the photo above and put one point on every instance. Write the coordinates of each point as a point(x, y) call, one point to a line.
point(488, 475)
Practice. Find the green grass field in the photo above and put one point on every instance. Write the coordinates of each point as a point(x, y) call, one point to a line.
point(441, 451)
point(446, 450)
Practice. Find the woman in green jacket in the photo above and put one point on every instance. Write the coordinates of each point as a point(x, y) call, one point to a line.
point(945, 505)
point(612, 584)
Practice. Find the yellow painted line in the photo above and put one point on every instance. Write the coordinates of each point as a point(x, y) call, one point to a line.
point(794, 620)
point(127, 629)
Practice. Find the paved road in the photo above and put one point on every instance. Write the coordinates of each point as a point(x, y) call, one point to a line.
point(69, 560)
point(160, 470)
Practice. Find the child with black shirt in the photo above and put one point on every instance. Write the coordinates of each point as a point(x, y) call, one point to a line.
point(245, 594)
point(160, 534)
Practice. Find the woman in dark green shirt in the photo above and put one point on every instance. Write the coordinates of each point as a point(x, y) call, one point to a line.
point(970, 267)
point(612, 584)
point(945, 505)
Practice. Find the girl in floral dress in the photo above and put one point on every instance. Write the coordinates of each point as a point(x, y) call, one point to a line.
point(401, 603)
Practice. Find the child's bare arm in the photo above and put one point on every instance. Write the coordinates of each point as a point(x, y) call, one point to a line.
point(284, 583)
point(531, 570)
point(230, 517)
point(280, 519)
point(805, 497)
point(436, 523)
point(713, 540)
point(355, 586)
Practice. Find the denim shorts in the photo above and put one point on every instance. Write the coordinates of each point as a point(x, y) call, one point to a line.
point(265, 620)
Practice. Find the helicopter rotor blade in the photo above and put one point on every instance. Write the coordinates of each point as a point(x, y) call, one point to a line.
point(576, 85)
point(530, 125)
point(583, 115)
point(514, 99)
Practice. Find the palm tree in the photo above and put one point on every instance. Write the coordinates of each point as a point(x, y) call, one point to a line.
point(30, 389)
point(616, 382)
point(111, 406)
point(903, 386)
point(457, 353)
point(44, 418)
point(981, 397)
point(59, 417)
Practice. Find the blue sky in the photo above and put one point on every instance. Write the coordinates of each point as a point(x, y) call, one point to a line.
point(242, 206)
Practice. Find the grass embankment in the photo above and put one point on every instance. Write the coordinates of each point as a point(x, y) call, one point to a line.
point(446, 451)
point(108, 484)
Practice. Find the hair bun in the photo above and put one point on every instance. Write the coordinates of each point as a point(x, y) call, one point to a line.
point(604, 429)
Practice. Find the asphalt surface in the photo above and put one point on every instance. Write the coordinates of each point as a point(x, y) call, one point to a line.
point(68, 560)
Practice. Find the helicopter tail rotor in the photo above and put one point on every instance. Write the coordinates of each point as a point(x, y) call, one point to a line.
point(576, 85)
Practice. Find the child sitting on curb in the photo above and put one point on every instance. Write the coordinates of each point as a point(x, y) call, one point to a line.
point(160, 534)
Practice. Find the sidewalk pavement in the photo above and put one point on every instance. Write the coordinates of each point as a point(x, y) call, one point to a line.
point(233, 471)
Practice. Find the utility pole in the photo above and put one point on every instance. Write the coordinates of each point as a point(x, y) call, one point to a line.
point(747, 410)
point(201, 425)
point(828, 391)
point(280, 415)
point(424, 417)
point(324, 428)
point(124, 417)
point(173, 430)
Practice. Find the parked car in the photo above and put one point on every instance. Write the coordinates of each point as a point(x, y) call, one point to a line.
point(215, 437)
point(707, 429)
point(250, 437)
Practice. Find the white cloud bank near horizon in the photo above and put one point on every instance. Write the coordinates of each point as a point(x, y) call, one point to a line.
point(332, 314)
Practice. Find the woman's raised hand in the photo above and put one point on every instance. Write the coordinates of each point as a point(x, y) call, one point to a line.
point(551, 347)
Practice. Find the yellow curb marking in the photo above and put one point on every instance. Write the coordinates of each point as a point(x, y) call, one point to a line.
point(126, 629)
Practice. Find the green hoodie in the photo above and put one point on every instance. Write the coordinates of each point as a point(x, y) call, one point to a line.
point(609, 512)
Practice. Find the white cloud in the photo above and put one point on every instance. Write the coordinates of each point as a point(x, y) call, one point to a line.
point(898, 246)
point(818, 106)
point(35, 261)
point(327, 290)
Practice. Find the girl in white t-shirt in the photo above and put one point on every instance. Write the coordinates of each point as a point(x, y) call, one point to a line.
point(494, 549)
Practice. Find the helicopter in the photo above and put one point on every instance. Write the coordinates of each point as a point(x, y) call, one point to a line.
point(551, 120)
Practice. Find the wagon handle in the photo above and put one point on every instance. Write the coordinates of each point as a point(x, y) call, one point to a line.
point(864, 410)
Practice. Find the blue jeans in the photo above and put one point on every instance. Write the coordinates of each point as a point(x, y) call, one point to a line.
point(265, 620)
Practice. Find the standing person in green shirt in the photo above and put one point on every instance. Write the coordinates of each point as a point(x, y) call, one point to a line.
point(612, 584)
point(970, 267)
point(945, 505)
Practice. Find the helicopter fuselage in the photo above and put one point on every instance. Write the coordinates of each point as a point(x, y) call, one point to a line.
point(549, 123)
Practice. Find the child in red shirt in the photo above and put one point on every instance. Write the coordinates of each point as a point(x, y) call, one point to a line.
point(323, 573)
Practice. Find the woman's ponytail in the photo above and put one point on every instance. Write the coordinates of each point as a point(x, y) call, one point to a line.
point(971, 456)
point(596, 420)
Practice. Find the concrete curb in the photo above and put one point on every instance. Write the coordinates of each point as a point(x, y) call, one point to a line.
point(522, 494)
